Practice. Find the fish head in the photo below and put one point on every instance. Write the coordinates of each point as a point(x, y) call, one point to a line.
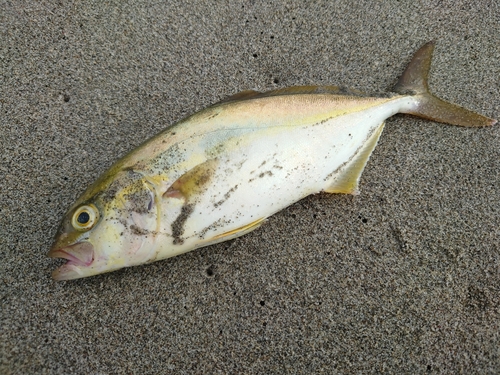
point(113, 225)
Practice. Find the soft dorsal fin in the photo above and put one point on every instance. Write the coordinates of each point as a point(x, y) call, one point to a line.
point(336, 90)
point(294, 90)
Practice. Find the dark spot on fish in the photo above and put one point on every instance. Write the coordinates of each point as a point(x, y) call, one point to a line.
point(212, 226)
point(213, 115)
point(121, 180)
point(139, 201)
point(138, 231)
point(341, 166)
point(215, 151)
point(226, 196)
point(178, 224)
point(167, 159)
point(130, 170)
point(151, 202)
point(267, 173)
point(325, 120)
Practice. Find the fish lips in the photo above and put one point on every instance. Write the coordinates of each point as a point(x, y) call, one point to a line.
point(78, 256)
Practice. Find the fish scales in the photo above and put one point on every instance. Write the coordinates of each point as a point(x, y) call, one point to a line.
point(218, 174)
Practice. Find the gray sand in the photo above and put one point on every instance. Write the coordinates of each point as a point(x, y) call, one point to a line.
point(404, 278)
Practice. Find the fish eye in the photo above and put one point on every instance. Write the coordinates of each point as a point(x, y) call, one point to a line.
point(85, 217)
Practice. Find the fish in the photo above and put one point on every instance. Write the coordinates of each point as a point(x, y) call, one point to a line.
point(219, 173)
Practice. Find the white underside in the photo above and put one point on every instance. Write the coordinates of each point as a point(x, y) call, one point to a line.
point(268, 171)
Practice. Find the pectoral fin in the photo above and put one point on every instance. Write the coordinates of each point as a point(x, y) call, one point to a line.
point(347, 176)
point(193, 181)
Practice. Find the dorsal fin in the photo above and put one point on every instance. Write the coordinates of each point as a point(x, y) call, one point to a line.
point(337, 90)
point(294, 90)
point(243, 95)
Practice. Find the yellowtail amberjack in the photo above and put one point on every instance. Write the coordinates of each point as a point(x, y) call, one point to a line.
point(219, 173)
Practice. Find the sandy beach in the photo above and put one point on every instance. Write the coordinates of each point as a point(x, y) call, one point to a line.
point(401, 279)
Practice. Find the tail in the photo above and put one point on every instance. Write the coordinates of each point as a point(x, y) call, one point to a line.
point(414, 82)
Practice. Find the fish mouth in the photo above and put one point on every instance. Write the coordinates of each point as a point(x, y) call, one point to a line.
point(78, 257)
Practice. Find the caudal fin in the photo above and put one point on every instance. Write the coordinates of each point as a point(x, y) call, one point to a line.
point(414, 82)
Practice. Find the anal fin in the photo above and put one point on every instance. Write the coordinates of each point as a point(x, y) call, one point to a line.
point(347, 177)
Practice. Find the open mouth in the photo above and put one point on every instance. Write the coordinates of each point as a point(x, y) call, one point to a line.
point(78, 256)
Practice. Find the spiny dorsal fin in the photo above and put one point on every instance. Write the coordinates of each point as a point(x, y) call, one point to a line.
point(243, 95)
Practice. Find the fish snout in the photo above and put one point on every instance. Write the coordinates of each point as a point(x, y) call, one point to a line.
point(79, 255)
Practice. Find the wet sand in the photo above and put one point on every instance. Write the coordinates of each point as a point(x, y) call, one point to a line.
point(403, 278)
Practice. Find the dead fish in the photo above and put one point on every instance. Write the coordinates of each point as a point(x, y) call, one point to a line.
point(219, 173)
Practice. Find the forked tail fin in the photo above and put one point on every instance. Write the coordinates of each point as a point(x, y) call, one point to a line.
point(414, 82)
